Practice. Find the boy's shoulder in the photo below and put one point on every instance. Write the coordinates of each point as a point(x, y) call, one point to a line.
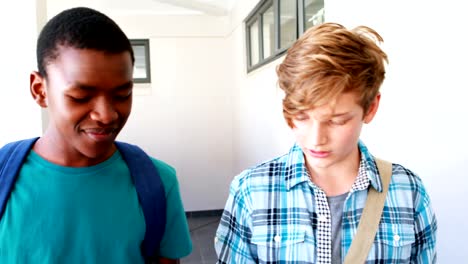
point(402, 176)
point(167, 173)
point(267, 166)
point(28, 142)
point(406, 187)
point(400, 173)
point(266, 173)
point(163, 167)
point(12, 156)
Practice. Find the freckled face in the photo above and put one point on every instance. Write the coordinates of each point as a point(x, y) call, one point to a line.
point(328, 136)
point(89, 96)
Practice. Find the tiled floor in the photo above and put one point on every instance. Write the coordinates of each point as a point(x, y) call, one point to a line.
point(202, 231)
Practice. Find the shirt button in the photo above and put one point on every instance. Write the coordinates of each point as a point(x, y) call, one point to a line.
point(322, 218)
point(277, 238)
point(396, 237)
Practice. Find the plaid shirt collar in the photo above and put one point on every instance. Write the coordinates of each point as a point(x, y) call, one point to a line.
point(296, 171)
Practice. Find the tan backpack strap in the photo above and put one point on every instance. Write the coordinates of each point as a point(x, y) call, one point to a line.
point(370, 218)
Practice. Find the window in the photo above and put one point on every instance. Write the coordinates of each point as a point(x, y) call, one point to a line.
point(288, 22)
point(268, 31)
point(313, 13)
point(254, 43)
point(141, 68)
point(274, 25)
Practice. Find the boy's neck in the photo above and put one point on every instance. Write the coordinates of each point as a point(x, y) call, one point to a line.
point(50, 149)
point(337, 179)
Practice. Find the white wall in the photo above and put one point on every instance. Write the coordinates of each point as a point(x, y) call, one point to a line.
point(185, 118)
point(421, 120)
point(20, 115)
point(260, 132)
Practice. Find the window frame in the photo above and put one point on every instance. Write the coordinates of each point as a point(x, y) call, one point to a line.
point(145, 43)
point(257, 15)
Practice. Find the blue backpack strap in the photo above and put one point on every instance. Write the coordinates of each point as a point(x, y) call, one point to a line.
point(151, 195)
point(12, 156)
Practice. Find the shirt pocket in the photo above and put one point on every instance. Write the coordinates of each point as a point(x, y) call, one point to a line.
point(281, 246)
point(393, 243)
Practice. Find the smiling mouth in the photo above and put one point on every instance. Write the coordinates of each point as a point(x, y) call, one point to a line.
point(319, 154)
point(101, 134)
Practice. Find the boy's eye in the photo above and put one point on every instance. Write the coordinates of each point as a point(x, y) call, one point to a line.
point(79, 99)
point(123, 96)
point(301, 117)
point(338, 122)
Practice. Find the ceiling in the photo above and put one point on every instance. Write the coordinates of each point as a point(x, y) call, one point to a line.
point(167, 7)
point(209, 7)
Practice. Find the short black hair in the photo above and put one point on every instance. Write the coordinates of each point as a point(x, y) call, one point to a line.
point(80, 28)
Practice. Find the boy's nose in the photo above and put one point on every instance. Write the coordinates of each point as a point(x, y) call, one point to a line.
point(318, 135)
point(104, 112)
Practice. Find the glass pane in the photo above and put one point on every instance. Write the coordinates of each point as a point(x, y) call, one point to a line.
point(287, 22)
point(314, 13)
point(139, 68)
point(268, 33)
point(254, 45)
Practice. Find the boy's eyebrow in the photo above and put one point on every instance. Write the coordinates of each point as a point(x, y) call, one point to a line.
point(91, 88)
point(124, 86)
point(340, 114)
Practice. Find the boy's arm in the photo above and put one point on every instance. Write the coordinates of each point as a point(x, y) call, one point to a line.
point(176, 242)
point(232, 241)
point(424, 248)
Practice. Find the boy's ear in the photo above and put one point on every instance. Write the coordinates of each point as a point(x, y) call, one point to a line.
point(37, 86)
point(372, 110)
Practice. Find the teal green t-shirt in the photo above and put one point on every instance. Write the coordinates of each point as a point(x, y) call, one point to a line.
point(59, 214)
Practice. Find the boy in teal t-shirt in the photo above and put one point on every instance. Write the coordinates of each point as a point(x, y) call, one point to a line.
point(74, 200)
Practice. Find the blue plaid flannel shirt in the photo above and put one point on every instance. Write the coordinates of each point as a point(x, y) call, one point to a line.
point(275, 214)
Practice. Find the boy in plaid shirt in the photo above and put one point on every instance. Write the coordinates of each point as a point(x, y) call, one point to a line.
point(305, 206)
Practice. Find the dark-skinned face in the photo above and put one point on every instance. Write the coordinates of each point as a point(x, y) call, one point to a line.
point(89, 97)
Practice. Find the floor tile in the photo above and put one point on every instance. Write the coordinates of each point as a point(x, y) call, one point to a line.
point(202, 232)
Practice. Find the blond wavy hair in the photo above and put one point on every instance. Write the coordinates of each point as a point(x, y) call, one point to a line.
point(328, 60)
